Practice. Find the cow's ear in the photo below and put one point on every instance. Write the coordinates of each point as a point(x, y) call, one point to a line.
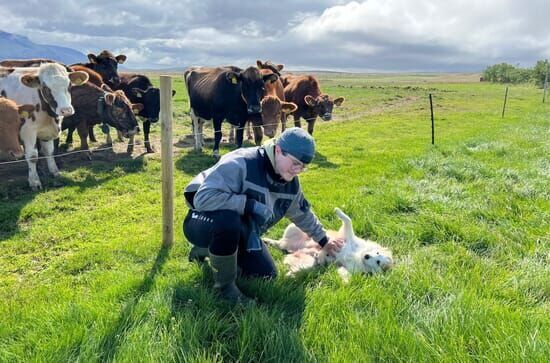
point(78, 78)
point(138, 92)
point(173, 92)
point(270, 78)
point(30, 80)
point(137, 107)
point(309, 100)
point(92, 58)
point(121, 58)
point(280, 66)
point(288, 107)
point(259, 64)
point(110, 98)
point(25, 110)
point(339, 101)
point(233, 77)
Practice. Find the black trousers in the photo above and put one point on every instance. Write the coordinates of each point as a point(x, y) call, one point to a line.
point(225, 232)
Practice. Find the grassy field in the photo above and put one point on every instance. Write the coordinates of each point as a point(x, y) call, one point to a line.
point(83, 276)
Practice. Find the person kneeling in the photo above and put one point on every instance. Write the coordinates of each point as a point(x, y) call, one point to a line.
point(238, 199)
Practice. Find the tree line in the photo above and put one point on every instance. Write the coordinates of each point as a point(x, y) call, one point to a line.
point(507, 73)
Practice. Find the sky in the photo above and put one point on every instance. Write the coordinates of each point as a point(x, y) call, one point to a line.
point(354, 36)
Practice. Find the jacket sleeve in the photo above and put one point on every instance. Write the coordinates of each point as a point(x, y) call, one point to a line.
point(301, 215)
point(221, 187)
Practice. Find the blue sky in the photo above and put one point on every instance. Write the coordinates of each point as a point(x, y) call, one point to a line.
point(373, 35)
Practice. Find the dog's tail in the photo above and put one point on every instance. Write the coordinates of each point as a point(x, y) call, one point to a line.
point(348, 227)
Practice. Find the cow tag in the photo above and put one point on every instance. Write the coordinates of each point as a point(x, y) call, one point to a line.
point(24, 114)
point(234, 80)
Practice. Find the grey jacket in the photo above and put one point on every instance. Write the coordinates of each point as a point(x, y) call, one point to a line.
point(248, 173)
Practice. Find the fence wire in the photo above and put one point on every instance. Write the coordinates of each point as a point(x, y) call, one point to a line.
point(156, 141)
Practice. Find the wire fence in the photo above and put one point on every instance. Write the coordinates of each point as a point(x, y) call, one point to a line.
point(156, 141)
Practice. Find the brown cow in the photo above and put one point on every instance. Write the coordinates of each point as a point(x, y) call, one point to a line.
point(94, 105)
point(24, 63)
point(306, 93)
point(274, 106)
point(96, 79)
point(12, 117)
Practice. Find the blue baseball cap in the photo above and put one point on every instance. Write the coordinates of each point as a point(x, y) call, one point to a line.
point(298, 143)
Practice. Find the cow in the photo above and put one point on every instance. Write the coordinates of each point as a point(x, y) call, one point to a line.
point(93, 77)
point(96, 79)
point(106, 64)
point(94, 105)
point(224, 93)
point(306, 93)
point(23, 63)
point(47, 88)
point(139, 89)
point(274, 106)
point(275, 68)
point(12, 117)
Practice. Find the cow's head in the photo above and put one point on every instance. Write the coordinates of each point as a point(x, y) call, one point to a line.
point(272, 107)
point(252, 86)
point(322, 105)
point(275, 68)
point(106, 64)
point(12, 118)
point(53, 83)
point(120, 113)
point(150, 98)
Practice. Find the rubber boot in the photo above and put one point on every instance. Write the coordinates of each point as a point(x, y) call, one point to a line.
point(198, 254)
point(225, 273)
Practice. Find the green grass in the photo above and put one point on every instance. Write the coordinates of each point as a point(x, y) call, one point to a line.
point(83, 276)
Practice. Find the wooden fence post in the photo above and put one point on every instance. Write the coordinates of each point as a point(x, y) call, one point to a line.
point(432, 113)
point(166, 159)
point(545, 83)
point(505, 98)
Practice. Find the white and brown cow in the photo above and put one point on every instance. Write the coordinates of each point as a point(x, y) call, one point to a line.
point(12, 117)
point(47, 88)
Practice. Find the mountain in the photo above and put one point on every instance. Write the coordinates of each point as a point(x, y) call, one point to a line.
point(13, 46)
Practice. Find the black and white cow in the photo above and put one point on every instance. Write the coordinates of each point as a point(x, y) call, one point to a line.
point(228, 93)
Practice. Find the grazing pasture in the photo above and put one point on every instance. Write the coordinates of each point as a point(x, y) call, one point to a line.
point(83, 276)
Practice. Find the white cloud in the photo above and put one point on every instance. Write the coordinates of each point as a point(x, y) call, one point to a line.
point(427, 35)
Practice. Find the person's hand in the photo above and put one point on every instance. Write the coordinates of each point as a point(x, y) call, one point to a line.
point(260, 212)
point(333, 246)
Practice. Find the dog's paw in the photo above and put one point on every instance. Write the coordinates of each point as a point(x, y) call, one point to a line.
point(344, 274)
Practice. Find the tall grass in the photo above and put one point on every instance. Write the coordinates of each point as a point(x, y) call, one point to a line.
point(83, 276)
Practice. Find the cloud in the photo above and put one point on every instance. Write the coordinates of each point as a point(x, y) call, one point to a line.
point(460, 35)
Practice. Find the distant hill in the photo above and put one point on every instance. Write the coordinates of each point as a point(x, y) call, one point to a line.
point(13, 46)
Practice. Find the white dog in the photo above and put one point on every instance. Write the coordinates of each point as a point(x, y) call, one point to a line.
point(357, 254)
